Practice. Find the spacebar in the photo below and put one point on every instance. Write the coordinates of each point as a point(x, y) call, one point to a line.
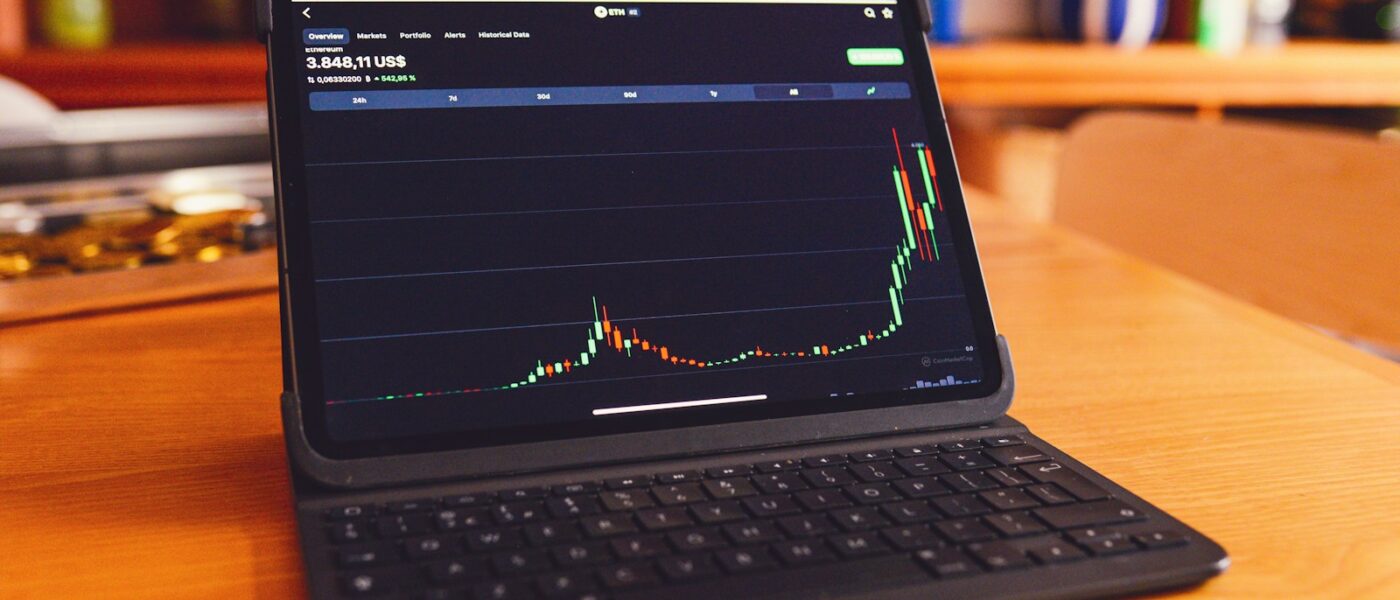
point(857, 575)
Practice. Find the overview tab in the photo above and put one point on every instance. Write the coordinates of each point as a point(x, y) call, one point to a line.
point(325, 37)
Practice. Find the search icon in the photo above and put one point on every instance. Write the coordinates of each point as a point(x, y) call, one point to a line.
point(869, 13)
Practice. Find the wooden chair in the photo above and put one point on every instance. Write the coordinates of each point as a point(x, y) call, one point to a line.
point(1302, 221)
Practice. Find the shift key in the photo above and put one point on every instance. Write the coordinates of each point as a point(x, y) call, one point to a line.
point(1106, 512)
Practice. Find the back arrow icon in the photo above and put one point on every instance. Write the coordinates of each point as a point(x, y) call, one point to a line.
point(306, 12)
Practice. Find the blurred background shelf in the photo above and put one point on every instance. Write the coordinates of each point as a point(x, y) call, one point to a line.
point(142, 74)
point(1063, 75)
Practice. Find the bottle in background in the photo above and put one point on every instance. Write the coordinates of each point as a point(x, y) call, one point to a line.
point(83, 24)
point(12, 27)
point(1223, 25)
point(947, 21)
point(1269, 22)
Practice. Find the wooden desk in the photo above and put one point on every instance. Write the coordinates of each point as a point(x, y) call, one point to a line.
point(142, 454)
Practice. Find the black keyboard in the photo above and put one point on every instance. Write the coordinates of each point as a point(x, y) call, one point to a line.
point(957, 509)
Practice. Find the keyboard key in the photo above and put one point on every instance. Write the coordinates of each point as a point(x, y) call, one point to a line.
point(964, 505)
point(967, 481)
point(962, 531)
point(913, 451)
point(1093, 534)
point(457, 519)
point(1016, 455)
point(695, 540)
point(529, 493)
point(640, 546)
point(1014, 524)
point(821, 500)
point(802, 553)
point(1008, 477)
point(966, 461)
point(1006, 440)
point(503, 590)
point(1054, 552)
point(628, 577)
point(921, 465)
point(457, 571)
point(521, 562)
point(946, 563)
point(573, 506)
point(872, 493)
point(858, 519)
point(1105, 512)
point(662, 519)
point(461, 500)
point(1157, 540)
point(565, 585)
point(622, 483)
point(715, 513)
point(581, 554)
point(774, 466)
point(491, 540)
point(678, 494)
point(828, 477)
point(1074, 483)
point(621, 500)
point(961, 446)
point(598, 526)
point(548, 534)
point(350, 512)
point(871, 455)
point(428, 547)
point(910, 537)
point(731, 471)
point(348, 532)
point(771, 506)
point(806, 526)
point(779, 483)
point(911, 511)
point(876, 471)
point(998, 556)
point(411, 506)
point(734, 487)
point(753, 532)
point(745, 560)
point(859, 544)
point(1049, 493)
point(921, 487)
point(686, 568)
point(403, 525)
point(1008, 499)
point(680, 477)
point(574, 489)
point(824, 461)
point(514, 513)
point(364, 584)
point(367, 555)
point(1110, 546)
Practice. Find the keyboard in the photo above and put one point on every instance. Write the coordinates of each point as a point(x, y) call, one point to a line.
point(956, 510)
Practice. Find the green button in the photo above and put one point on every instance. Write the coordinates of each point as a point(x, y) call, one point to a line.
point(875, 57)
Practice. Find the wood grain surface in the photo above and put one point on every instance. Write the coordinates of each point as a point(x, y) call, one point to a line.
point(140, 453)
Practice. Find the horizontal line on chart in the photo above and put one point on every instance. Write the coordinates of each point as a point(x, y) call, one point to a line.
point(595, 155)
point(880, 302)
point(607, 264)
point(604, 208)
point(600, 412)
point(804, 363)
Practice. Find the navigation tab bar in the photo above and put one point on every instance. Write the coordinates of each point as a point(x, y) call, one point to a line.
point(605, 95)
